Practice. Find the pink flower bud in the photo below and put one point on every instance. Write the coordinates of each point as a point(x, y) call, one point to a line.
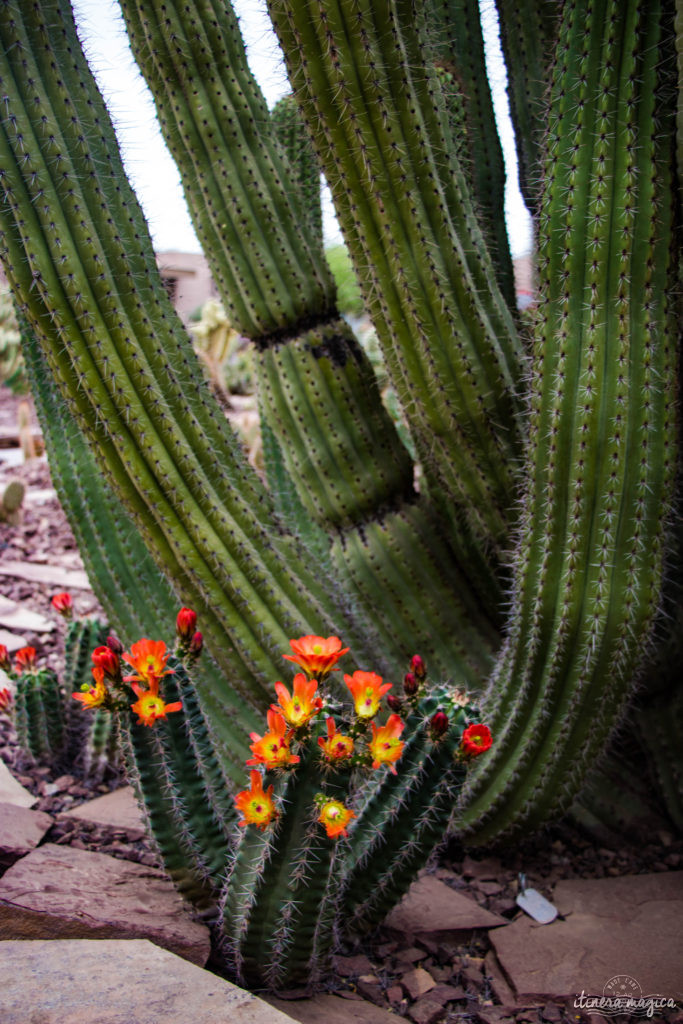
point(196, 644)
point(114, 644)
point(417, 666)
point(4, 658)
point(410, 684)
point(438, 725)
point(395, 703)
point(186, 623)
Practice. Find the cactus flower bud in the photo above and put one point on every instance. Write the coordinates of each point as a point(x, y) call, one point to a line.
point(410, 684)
point(114, 644)
point(395, 703)
point(25, 660)
point(63, 603)
point(417, 666)
point(108, 661)
point(196, 644)
point(438, 725)
point(186, 623)
point(4, 658)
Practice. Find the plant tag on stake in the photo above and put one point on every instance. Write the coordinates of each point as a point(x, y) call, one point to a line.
point(535, 905)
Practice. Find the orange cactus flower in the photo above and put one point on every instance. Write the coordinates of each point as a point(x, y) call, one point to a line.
point(5, 663)
point(385, 747)
point(316, 655)
point(258, 808)
point(367, 690)
point(475, 740)
point(302, 706)
point(93, 696)
point(149, 706)
point(272, 749)
point(335, 817)
point(336, 747)
point(6, 699)
point(148, 658)
point(25, 659)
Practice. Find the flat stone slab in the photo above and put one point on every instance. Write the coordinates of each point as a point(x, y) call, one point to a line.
point(109, 981)
point(432, 908)
point(117, 810)
point(627, 927)
point(38, 572)
point(20, 831)
point(11, 791)
point(12, 641)
point(16, 617)
point(331, 1010)
point(64, 893)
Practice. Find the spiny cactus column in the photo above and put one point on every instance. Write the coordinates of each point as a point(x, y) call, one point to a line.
point(602, 439)
point(80, 260)
point(405, 210)
point(317, 391)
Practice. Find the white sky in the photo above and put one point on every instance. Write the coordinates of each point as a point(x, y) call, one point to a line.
point(152, 172)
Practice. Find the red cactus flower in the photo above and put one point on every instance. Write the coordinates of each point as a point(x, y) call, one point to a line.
point(186, 623)
point(475, 740)
point(302, 705)
point(150, 706)
point(108, 661)
point(258, 808)
point(272, 749)
point(335, 817)
point(148, 658)
point(63, 603)
point(385, 747)
point(6, 699)
point(5, 663)
point(367, 690)
point(316, 655)
point(336, 747)
point(25, 659)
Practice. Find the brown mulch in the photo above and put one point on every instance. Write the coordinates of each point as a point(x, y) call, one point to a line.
point(372, 969)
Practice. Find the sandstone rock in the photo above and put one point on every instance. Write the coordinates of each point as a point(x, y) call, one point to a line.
point(427, 1011)
point(11, 791)
point(417, 982)
point(627, 926)
point(18, 618)
point(490, 868)
point(332, 1010)
point(434, 910)
point(118, 810)
point(35, 572)
point(62, 892)
point(350, 966)
point(110, 981)
point(12, 641)
point(20, 831)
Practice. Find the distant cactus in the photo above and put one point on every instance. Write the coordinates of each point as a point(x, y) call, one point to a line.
point(12, 370)
point(11, 502)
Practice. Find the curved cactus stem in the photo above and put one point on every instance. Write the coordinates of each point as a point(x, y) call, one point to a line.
point(602, 440)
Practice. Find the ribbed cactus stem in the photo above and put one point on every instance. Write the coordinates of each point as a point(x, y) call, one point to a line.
point(602, 428)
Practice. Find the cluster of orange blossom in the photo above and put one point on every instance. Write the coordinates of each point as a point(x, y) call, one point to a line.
point(148, 659)
point(289, 721)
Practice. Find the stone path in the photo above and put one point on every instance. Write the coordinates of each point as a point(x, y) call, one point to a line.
point(117, 982)
point(444, 954)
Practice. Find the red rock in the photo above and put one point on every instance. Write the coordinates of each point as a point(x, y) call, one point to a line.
point(107, 981)
point(434, 910)
point(614, 926)
point(349, 966)
point(20, 831)
point(427, 1011)
point(410, 955)
point(118, 809)
point(395, 995)
point(490, 868)
point(333, 1010)
point(62, 892)
point(417, 982)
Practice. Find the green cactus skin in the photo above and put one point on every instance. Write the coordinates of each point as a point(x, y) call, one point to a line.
point(211, 526)
point(528, 33)
point(182, 790)
point(82, 637)
point(602, 443)
point(40, 715)
point(445, 330)
point(454, 37)
point(292, 135)
point(316, 387)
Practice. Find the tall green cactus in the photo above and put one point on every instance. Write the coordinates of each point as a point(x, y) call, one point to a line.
point(544, 480)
